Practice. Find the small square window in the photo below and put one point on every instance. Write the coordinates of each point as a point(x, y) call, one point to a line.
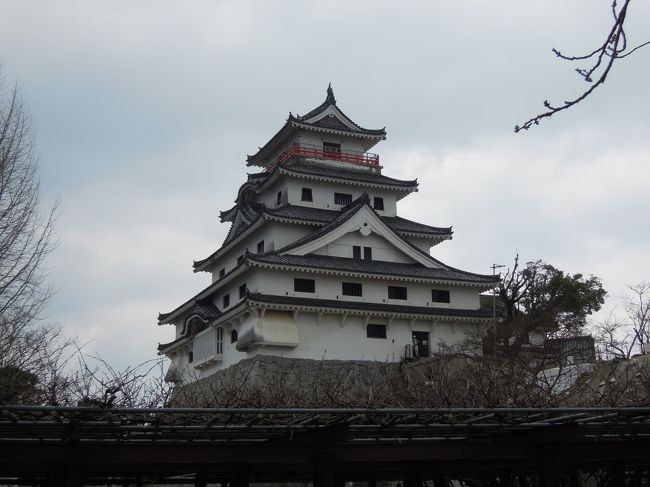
point(342, 199)
point(226, 300)
point(260, 247)
point(367, 253)
point(356, 252)
point(378, 203)
point(376, 331)
point(306, 195)
point(440, 296)
point(396, 292)
point(351, 289)
point(304, 285)
point(242, 291)
point(222, 272)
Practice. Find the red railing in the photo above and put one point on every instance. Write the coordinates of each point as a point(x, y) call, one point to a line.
point(320, 152)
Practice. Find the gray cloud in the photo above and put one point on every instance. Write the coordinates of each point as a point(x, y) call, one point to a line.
point(145, 112)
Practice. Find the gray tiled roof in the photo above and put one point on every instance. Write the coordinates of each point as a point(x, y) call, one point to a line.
point(347, 175)
point(202, 307)
point(320, 215)
point(370, 267)
point(330, 100)
point(366, 306)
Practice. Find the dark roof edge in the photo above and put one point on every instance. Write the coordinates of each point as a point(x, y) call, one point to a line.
point(480, 314)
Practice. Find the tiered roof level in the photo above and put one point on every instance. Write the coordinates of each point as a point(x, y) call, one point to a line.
point(317, 264)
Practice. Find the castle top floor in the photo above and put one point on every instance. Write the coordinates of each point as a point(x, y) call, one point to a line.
point(325, 133)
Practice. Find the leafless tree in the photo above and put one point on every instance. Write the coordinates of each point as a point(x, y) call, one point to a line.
point(637, 307)
point(26, 239)
point(613, 48)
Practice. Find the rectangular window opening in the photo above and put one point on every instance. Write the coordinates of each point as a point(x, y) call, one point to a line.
point(226, 300)
point(440, 296)
point(375, 331)
point(342, 199)
point(219, 340)
point(351, 289)
point(260, 247)
point(356, 252)
point(306, 195)
point(279, 198)
point(222, 272)
point(304, 285)
point(378, 203)
point(396, 292)
point(367, 253)
point(242, 291)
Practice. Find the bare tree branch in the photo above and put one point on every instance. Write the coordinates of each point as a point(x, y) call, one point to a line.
point(613, 48)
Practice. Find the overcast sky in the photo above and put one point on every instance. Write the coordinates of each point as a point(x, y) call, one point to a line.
point(144, 112)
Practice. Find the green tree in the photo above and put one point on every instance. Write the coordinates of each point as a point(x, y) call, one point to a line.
point(539, 298)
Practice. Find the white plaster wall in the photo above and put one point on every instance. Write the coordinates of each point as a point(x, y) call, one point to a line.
point(275, 236)
point(374, 290)
point(381, 249)
point(323, 194)
point(332, 338)
point(351, 144)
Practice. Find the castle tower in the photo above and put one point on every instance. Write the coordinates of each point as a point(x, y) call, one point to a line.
point(317, 264)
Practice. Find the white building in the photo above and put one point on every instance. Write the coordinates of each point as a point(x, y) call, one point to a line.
point(317, 264)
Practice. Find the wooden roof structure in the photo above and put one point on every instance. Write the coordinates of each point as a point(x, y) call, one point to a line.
point(77, 446)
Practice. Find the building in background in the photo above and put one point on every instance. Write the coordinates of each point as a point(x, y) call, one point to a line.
point(317, 264)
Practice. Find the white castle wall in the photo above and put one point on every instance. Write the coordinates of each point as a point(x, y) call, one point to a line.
point(330, 338)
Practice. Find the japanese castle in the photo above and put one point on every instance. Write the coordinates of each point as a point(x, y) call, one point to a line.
point(317, 264)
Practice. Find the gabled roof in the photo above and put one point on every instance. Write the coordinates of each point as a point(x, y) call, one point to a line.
point(312, 215)
point(258, 213)
point(197, 305)
point(359, 212)
point(327, 117)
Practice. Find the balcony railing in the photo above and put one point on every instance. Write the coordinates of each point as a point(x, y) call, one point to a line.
point(207, 347)
point(330, 153)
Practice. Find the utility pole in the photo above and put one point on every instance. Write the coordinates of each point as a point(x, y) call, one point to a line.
point(494, 303)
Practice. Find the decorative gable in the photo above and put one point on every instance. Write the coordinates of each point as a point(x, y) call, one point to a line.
point(359, 218)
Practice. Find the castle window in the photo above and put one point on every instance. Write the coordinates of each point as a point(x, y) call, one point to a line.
point(440, 296)
point(342, 199)
point(332, 150)
point(351, 289)
point(234, 336)
point(279, 198)
point(304, 285)
point(190, 357)
point(356, 252)
point(226, 300)
point(242, 291)
point(378, 203)
point(222, 272)
point(396, 292)
point(376, 331)
point(367, 253)
point(219, 340)
point(260, 246)
point(240, 259)
point(306, 195)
